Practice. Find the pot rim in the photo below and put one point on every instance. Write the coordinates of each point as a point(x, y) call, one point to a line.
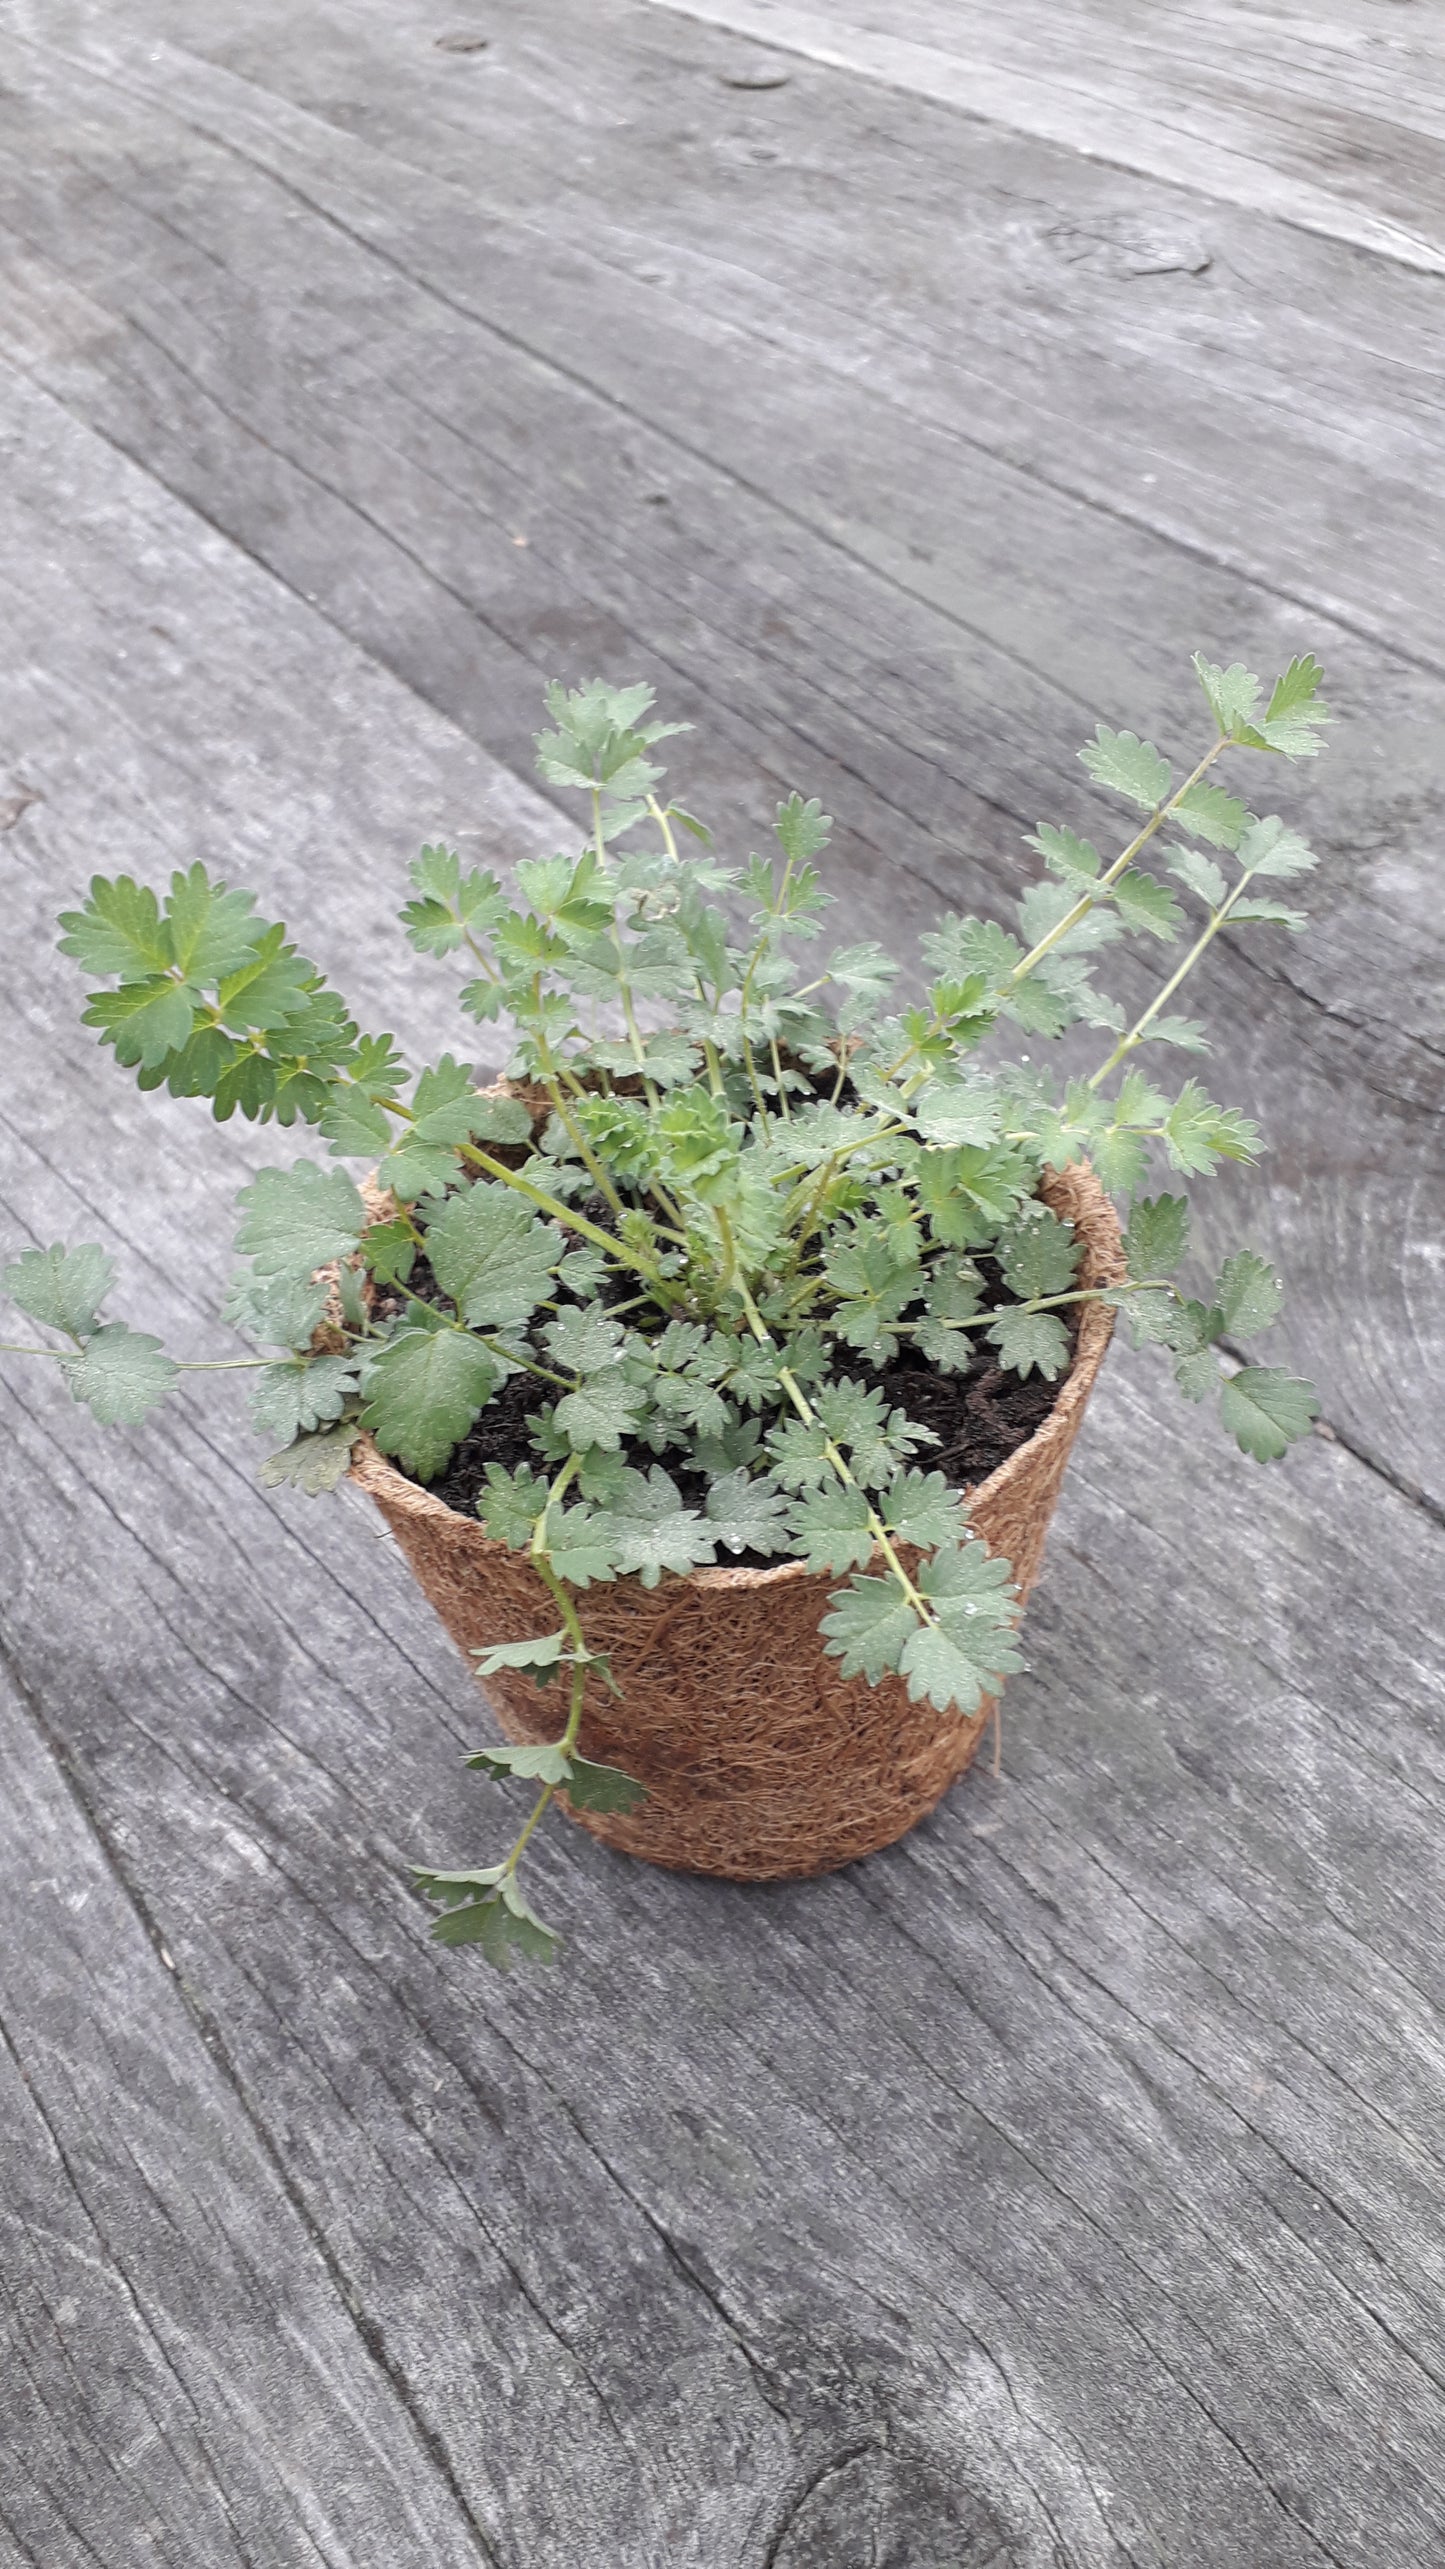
point(1102, 1264)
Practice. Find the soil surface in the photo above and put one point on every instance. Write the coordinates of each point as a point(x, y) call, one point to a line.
point(979, 1417)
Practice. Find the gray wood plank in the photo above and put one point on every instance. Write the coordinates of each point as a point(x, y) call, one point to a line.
point(844, 586)
point(1061, 2188)
point(1330, 118)
point(183, 2380)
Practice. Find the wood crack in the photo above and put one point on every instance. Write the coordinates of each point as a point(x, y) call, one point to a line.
point(366, 2327)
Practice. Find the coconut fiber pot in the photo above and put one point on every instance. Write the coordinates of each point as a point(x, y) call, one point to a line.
point(760, 1760)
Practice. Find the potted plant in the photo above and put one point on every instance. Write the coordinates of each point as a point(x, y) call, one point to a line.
point(715, 1369)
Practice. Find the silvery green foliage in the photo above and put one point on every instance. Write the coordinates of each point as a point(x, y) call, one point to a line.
point(749, 1180)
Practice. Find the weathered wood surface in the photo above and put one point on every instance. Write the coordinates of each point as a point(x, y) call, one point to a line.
point(1063, 2187)
point(1330, 116)
point(813, 405)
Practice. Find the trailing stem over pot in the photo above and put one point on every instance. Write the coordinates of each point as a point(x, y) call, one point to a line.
point(754, 1183)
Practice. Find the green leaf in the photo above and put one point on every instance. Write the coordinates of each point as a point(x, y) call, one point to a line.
point(424, 1389)
point(120, 930)
point(281, 1311)
point(746, 1515)
point(541, 1650)
point(602, 1410)
point(799, 1453)
point(292, 1399)
point(299, 1219)
point(954, 1289)
point(500, 1920)
point(649, 1530)
point(1207, 812)
point(269, 989)
point(1200, 873)
point(1197, 1373)
point(924, 1509)
point(1151, 1316)
point(954, 1111)
point(702, 1144)
point(803, 829)
point(355, 1128)
point(1186, 1032)
point(1248, 1296)
point(491, 1255)
point(1158, 1235)
point(120, 1375)
point(1197, 1132)
point(869, 1628)
point(145, 1020)
point(446, 1112)
point(1147, 905)
point(1268, 847)
point(507, 1120)
point(536, 1761)
point(1233, 696)
point(1296, 710)
point(1271, 913)
point(972, 1594)
point(511, 1503)
point(211, 931)
point(967, 1193)
point(941, 1670)
point(61, 1288)
point(1031, 1340)
point(1265, 1410)
point(1040, 1257)
point(1127, 765)
point(577, 1545)
point(1120, 1160)
point(313, 1463)
point(1076, 860)
point(857, 1415)
point(584, 1340)
point(590, 1787)
point(831, 1529)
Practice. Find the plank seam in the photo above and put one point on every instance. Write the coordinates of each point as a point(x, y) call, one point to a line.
point(1428, 263)
point(368, 2330)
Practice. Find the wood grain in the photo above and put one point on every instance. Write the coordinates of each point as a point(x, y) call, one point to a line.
point(1060, 2189)
point(847, 569)
point(185, 2380)
point(1330, 118)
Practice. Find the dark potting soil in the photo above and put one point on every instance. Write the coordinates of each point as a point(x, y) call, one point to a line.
point(980, 1418)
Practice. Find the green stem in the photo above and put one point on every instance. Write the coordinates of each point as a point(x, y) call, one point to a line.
point(634, 1032)
point(657, 813)
point(1127, 1043)
point(1043, 1302)
point(1088, 900)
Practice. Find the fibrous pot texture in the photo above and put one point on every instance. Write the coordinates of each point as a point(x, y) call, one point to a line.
point(760, 1760)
